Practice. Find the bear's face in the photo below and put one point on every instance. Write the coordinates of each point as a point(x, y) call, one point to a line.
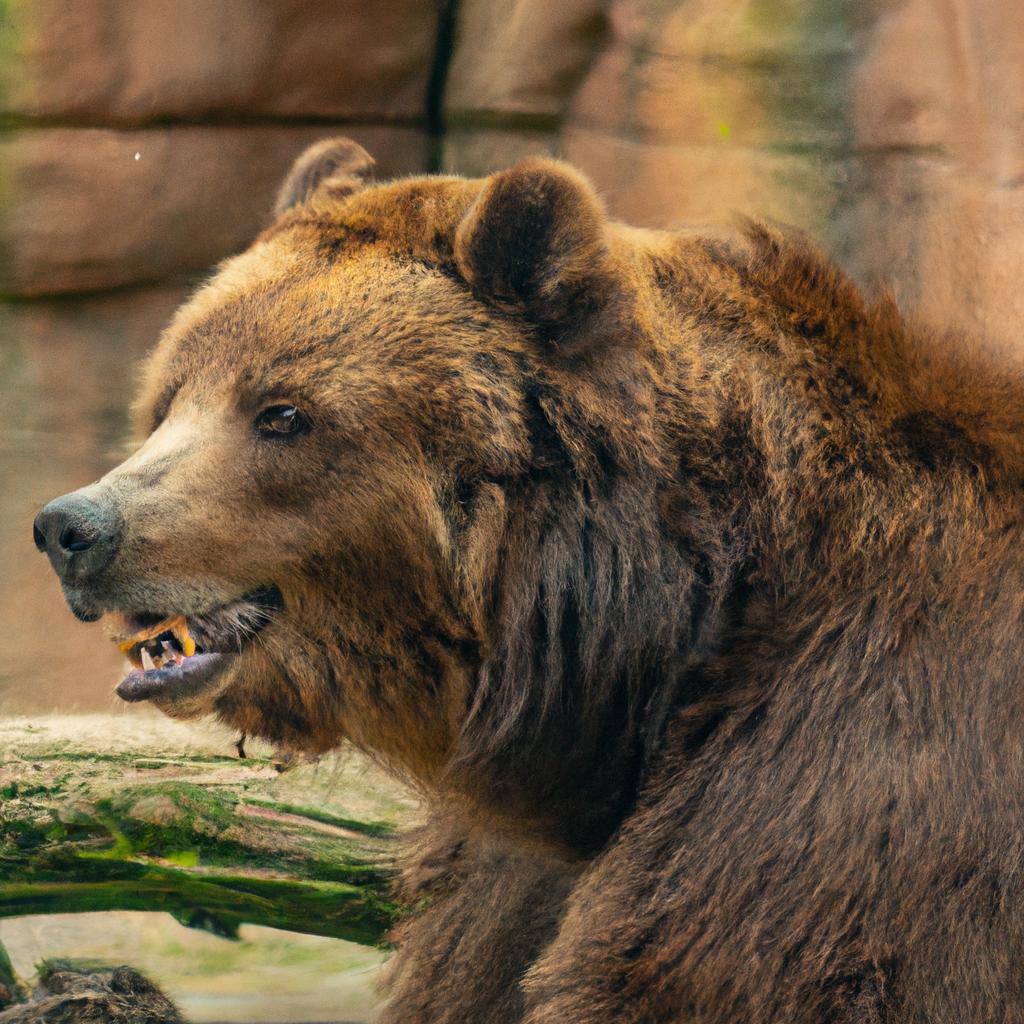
point(311, 427)
point(306, 541)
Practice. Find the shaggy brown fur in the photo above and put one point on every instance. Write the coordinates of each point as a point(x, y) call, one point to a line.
point(685, 584)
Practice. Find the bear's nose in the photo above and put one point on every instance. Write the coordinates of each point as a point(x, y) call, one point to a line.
point(79, 536)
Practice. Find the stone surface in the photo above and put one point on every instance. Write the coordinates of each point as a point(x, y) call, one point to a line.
point(947, 78)
point(944, 239)
point(695, 112)
point(892, 130)
point(667, 186)
point(93, 208)
point(769, 74)
point(67, 371)
point(107, 60)
point(479, 151)
point(937, 113)
point(520, 58)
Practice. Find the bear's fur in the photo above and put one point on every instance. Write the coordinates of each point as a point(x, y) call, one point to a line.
point(684, 583)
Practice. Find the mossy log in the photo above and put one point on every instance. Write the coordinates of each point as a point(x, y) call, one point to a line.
point(12, 988)
point(216, 841)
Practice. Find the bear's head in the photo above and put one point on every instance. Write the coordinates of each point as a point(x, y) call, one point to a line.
point(403, 482)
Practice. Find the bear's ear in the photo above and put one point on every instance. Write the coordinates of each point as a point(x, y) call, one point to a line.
point(535, 238)
point(340, 165)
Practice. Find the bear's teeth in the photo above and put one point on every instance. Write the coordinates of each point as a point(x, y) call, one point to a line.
point(177, 625)
point(184, 637)
point(147, 661)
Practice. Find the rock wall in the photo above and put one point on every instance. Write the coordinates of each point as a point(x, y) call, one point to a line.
point(143, 140)
point(892, 130)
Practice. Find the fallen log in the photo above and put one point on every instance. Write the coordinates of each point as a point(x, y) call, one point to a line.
point(129, 823)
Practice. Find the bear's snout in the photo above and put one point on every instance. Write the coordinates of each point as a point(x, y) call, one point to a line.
point(80, 536)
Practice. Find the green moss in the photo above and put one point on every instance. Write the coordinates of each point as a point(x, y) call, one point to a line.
point(7, 976)
point(205, 842)
point(187, 810)
point(106, 863)
point(217, 903)
point(184, 858)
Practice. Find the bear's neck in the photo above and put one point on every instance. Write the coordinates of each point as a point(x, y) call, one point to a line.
point(882, 542)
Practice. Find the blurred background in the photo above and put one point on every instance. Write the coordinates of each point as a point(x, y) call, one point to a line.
point(141, 142)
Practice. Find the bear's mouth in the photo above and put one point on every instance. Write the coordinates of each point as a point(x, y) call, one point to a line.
point(173, 656)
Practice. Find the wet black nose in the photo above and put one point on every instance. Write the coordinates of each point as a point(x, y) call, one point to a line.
point(80, 536)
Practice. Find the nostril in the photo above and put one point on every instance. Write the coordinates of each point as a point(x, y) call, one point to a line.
point(74, 539)
point(79, 535)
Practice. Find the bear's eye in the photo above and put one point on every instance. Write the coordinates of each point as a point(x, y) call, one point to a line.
point(281, 421)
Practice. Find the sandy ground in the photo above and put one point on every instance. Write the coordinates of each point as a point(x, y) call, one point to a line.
point(126, 728)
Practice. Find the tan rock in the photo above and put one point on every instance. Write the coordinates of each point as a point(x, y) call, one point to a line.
point(107, 60)
point(66, 380)
point(938, 116)
point(483, 151)
point(522, 57)
point(948, 78)
point(91, 208)
point(943, 239)
point(710, 71)
point(675, 185)
point(903, 95)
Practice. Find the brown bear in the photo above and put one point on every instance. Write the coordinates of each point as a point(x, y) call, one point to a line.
point(684, 583)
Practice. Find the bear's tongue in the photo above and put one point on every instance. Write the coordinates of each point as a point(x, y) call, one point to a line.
point(175, 681)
